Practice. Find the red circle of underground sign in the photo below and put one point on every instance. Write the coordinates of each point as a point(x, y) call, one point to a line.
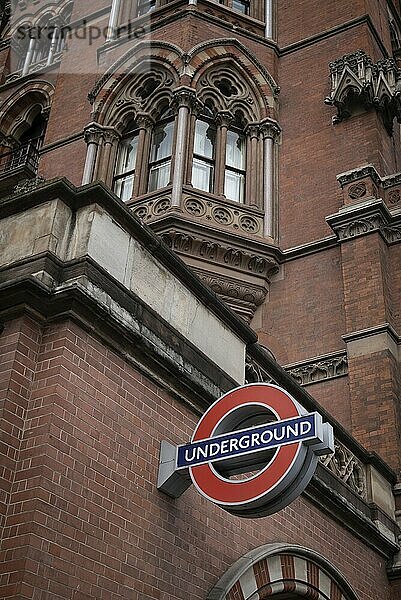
point(224, 491)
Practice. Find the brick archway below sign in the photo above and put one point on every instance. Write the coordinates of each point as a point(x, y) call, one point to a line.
point(283, 572)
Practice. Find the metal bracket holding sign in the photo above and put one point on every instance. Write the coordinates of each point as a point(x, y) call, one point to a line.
point(258, 430)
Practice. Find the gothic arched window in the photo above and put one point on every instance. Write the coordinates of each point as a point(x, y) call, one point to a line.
point(126, 163)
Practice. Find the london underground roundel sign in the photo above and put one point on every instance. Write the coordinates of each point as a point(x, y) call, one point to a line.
point(262, 437)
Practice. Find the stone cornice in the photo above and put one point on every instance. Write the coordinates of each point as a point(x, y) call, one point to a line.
point(370, 216)
point(53, 290)
point(365, 333)
point(359, 173)
point(98, 193)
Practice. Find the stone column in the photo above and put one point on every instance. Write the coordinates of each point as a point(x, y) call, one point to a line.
point(270, 131)
point(108, 156)
point(53, 45)
point(269, 18)
point(29, 55)
point(183, 99)
point(92, 135)
point(113, 21)
point(252, 188)
point(145, 124)
point(223, 120)
point(196, 109)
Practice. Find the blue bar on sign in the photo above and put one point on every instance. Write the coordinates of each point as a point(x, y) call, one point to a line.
point(246, 441)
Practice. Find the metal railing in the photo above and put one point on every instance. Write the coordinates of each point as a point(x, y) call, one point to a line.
point(26, 155)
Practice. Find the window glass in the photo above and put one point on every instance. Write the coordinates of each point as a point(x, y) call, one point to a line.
point(162, 141)
point(202, 175)
point(125, 166)
point(235, 154)
point(159, 176)
point(204, 151)
point(160, 155)
point(205, 139)
point(241, 6)
point(127, 155)
point(234, 185)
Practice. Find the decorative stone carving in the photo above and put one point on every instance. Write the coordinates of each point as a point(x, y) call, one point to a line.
point(357, 190)
point(195, 207)
point(249, 224)
point(269, 128)
point(359, 227)
point(254, 373)
point(27, 185)
point(367, 171)
point(242, 297)
point(344, 464)
point(319, 369)
point(161, 206)
point(394, 196)
point(356, 79)
point(222, 215)
point(178, 241)
point(141, 212)
point(391, 234)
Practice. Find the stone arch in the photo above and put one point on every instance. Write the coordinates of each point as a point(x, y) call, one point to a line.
point(19, 110)
point(230, 53)
point(277, 569)
point(141, 58)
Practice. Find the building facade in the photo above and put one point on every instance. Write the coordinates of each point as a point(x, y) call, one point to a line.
point(194, 195)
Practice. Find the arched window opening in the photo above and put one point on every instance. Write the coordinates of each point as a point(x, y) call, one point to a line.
point(35, 133)
point(204, 151)
point(161, 151)
point(124, 175)
point(41, 45)
point(235, 168)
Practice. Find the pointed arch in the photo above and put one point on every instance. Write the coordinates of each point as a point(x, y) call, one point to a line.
point(274, 569)
point(21, 107)
point(141, 58)
point(216, 54)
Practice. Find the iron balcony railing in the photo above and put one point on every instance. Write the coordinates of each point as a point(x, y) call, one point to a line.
point(25, 156)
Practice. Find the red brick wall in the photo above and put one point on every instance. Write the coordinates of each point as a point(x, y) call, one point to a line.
point(85, 519)
point(304, 314)
point(375, 410)
point(19, 344)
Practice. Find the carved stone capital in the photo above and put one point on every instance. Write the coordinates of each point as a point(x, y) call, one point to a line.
point(269, 128)
point(224, 118)
point(183, 96)
point(252, 130)
point(93, 133)
point(110, 136)
point(144, 120)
